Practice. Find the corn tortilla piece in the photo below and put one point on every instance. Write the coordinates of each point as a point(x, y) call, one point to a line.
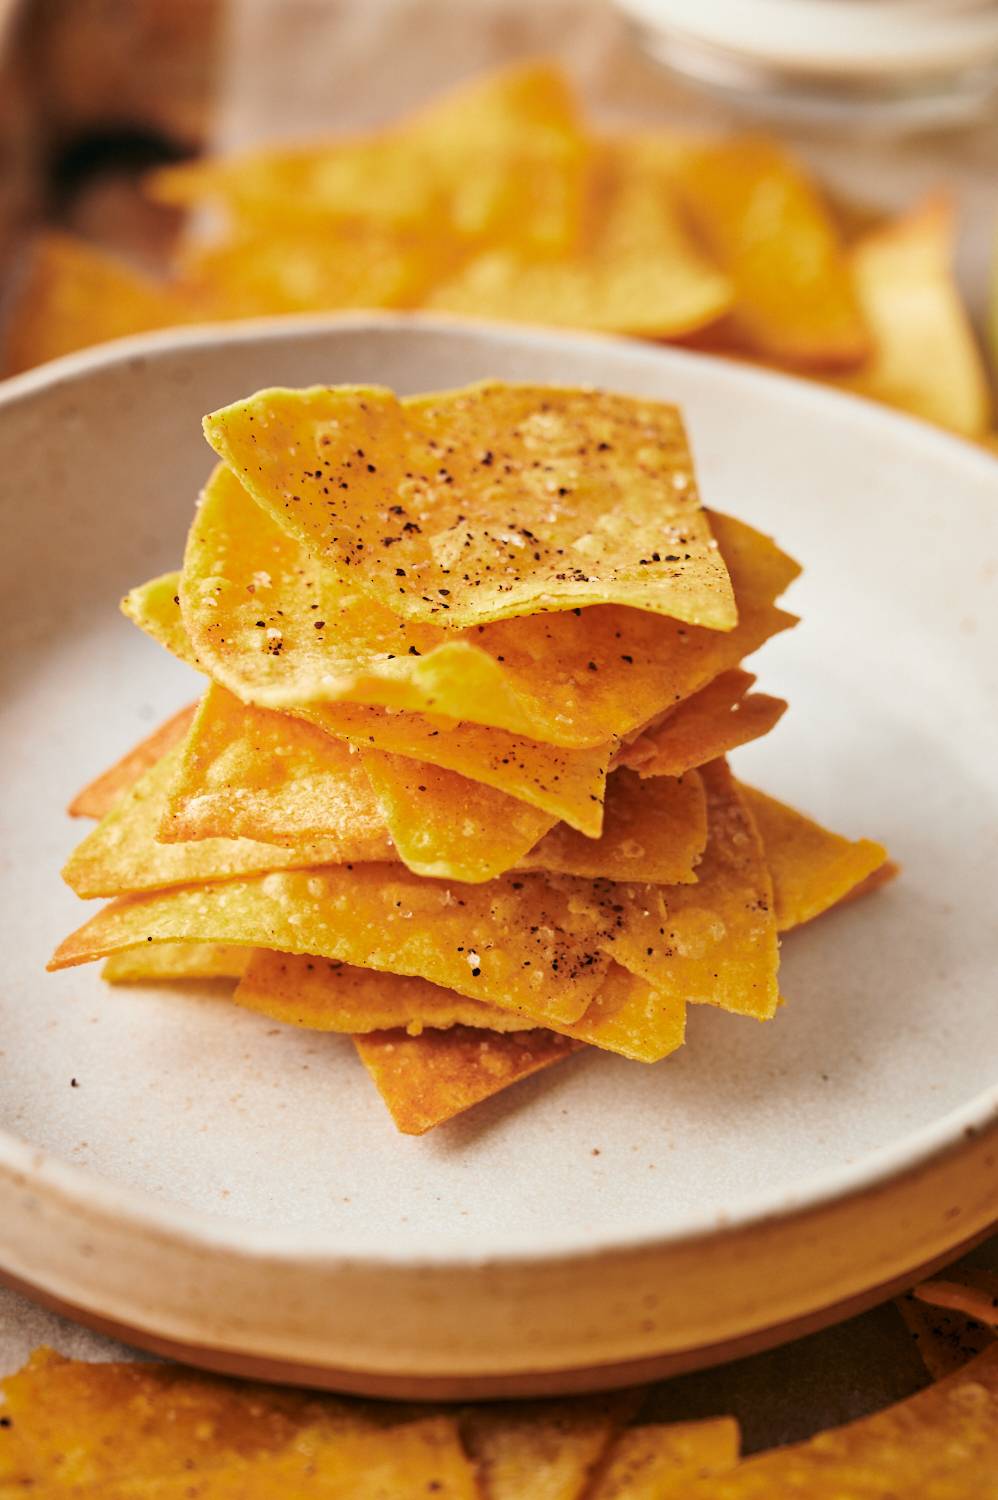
point(499, 943)
point(718, 718)
point(321, 994)
point(100, 795)
point(155, 961)
point(289, 633)
point(248, 772)
point(973, 1292)
point(812, 868)
point(658, 1461)
point(122, 855)
point(942, 1442)
point(162, 1432)
point(73, 295)
point(945, 1338)
point(428, 1079)
point(925, 358)
point(764, 221)
point(631, 268)
point(490, 501)
point(547, 1450)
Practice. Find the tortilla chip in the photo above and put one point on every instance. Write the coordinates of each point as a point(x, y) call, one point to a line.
point(122, 855)
point(499, 943)
point(719, 718)
point(771, 234)
point(320, 994)
point(942, 1442)
point(547, 1450)
point(812, 869)
point(100, 795)
point(123, 1430)
point(973, 1292)
point(945, 1338)
point(630, 268)
point(490, 501)
point(925, 359)
point(425, 1080)
point(73, 295)
point(246, 772)
point(156, 961)
point(658, 1461)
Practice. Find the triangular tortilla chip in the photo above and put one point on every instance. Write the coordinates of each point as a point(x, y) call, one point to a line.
point(719, 718)
point(945, 1337)
point(156, 961)
point(812, 868)
point(547, 1450)
point(925, 359)
point(500, 942)
point(428, 1079)
point(658, 1461)
point(774, 238)
point(487, 502)
point(121, 854)
point(99, 796)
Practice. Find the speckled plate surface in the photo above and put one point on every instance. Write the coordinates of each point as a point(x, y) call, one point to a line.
point(223, 1186)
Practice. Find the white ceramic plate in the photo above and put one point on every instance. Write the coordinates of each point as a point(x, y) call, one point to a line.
point(234, 1189)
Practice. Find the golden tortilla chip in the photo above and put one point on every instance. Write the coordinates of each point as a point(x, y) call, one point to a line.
point(945, 1338)
point(125, 1430)
point(320, 994)
point(100, 795)
point(121, 854)
point(771, 234)
point(157, 961)
point(247, 772)
point(425, 1080)
point(973, 1291)
point(73, 295)
point(547, 1450)
point(942, 1442)
point(658, 1461)
point(719, 718)
point(812, 869)
point(500, 942)
point(491, 501)
point(630, 268)
point(925, 359)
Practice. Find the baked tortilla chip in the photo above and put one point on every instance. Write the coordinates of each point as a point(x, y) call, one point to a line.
point(247, 772)
point(945, 1337)
point(122, 854)
point(486, 502)
point(658, 1461)
point(942, 1442)
point(425, 1080)
point(100, 795)
point(499, 942)
point(925, 359)
point(155, 961)
point(719, 718)
point(812, 869)
point(547, 1450)
point(631, 267)
point(771, 234)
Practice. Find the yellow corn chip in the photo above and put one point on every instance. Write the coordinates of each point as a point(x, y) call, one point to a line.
point(121, 854)
point(74, 295)
point(770, 232)
point(972, 1290)
point(491, 501)
point(718, 718)
point(632, 267)
point(658, 1461)
point(945, 1338)
point(176, 961)
point(100, 795)
point(925, 359)
point(250, 773)
point(547, 1450)
point(425, 1080)
point(499, 942)
point(812, 869)
point(942, 1442)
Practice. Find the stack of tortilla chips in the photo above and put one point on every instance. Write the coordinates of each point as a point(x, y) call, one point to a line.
point(457, 785)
